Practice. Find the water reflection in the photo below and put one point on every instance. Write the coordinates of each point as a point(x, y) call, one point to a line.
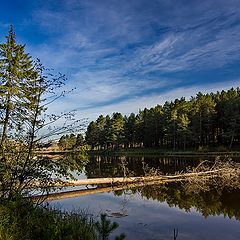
point(99, 166)
point(153, 211)
point(212, 201)
point(145, 218)
point(208, 203)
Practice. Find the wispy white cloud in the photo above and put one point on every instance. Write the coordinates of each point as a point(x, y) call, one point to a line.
point(116, 52)
point(133, 105)
point(192, 50)
point(210, 37)
point(102, 90)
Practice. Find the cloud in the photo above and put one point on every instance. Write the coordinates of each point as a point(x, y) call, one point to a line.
point(132, 105)
point(95, 91)
point(124, 53)
point(196, 41)
point(193, 49)
point(195, 34)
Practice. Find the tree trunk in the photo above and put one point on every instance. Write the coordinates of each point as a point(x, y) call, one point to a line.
point(6, 120)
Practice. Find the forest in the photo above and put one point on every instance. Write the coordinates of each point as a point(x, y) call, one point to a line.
point(204, 121)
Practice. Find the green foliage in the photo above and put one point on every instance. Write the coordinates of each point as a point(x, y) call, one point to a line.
point(26, 90)
point(120, 237)
point(20, 219)
point(205, 121)
point(105, 227)
point(117, 124)
point(18, 90)
point(72, 142)
point(92, 134)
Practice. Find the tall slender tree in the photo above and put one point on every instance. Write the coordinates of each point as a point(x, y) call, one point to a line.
point(16, 72)
point(24, 90)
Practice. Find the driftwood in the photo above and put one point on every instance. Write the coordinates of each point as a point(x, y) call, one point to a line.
point(122, 180)
point(225, 173)
point(95, 190)
point(119, 183)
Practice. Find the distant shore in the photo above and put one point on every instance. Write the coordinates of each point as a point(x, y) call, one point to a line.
point(161, 152)
point(147, 151)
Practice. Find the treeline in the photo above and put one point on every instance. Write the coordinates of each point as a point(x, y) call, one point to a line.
point(71, 142)
point(206, 120)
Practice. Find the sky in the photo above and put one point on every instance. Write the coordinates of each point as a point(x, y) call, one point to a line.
point(125, 55)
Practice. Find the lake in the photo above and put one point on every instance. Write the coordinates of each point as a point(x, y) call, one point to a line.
point(155, 211)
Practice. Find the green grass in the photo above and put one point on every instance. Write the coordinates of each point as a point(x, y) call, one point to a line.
point(22, 220)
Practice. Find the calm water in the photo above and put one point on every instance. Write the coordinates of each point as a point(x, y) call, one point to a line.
point(153, 212)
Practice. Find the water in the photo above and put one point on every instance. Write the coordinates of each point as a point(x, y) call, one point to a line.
point(154, 211)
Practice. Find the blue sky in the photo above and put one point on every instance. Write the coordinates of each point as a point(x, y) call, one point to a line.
point(123, 55)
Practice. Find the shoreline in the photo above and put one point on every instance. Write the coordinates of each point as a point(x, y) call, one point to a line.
point(146, 152)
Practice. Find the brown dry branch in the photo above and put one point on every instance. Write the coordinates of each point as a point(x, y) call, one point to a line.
point(221, 173)
point(228, 172)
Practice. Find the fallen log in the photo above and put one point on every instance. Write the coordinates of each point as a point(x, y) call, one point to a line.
point(122, 180)
point(96, 190)
point(85, 192)
point(120, 183)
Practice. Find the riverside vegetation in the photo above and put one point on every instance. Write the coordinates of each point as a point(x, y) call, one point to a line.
point(27, 88)
point(205, 122)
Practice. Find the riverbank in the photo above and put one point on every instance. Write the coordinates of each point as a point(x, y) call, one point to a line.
point(146, 152)
point(161, 152)
point(21, 219)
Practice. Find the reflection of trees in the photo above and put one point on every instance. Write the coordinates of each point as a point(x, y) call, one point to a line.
point(209, 203)
point(99, 166)
point(71, 162)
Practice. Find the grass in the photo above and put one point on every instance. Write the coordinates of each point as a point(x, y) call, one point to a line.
point(21, 219)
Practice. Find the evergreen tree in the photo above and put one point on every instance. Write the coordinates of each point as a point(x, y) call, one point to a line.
point(92, 134)
point(63, 141)
point(203, 114)
point(17, 78)
point(108, 132)
point(205, 120)
point(100, 130)
point(183, 132)
point(24, 90)
point(117, 123)
point(232, 117)
point(130, 130)
point(79, 140)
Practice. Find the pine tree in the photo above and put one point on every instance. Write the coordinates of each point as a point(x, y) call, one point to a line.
point(16, 70)
point(79, 140)
point(92, 134)
point(117, 123)
point(24, 90)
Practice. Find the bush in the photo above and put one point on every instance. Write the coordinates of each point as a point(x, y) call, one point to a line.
point(20, 219)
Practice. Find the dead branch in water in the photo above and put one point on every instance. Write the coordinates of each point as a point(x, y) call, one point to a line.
point(226, 174)
point(96, 190)
point(124, 180)
point(199, 178)
point(206, 174)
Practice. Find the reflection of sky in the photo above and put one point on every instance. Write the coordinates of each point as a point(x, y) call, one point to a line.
point(148, 219)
